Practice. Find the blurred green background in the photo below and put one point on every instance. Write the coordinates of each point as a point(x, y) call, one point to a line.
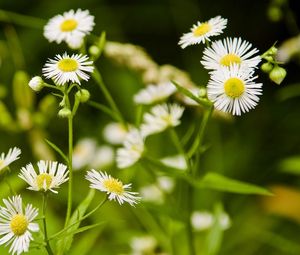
point(252, 148)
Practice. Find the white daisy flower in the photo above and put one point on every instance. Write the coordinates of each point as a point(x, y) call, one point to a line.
point(161, 117)
point(16, 224)
point(201, 31)
point(230, 51)
point(233, 90)
point(176, 161)
point(154, 93)
point(63, 69)
point(12, 155)
point(152, 194)
point(115, 133)
point(132, 150)
point(143, 245)
point(70, 27)
point(114, 188)
point(51, 175)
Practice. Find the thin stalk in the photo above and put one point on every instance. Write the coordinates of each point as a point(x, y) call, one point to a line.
point(70, 161)
point(81, 219)
point(98, 78)
point(190, 232)
point(48, 247)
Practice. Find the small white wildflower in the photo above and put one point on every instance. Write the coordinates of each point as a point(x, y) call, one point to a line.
point(233, 90)
point(152, 194)
point(154, 93)
point(202, 31)
point(104, 157)
point(160, 118)
point(16, 224)
point(230, 51)
point(114, 188)
point(143, 245)
point(132, 150)
point(51, 175)
point(12, 155)
point(70, 27)
point(63, 69)
point(166, 183)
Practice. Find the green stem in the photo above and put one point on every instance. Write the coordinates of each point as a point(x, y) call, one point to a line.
point(70, 161)
point(81, 219)
point(190, 232)
point(48, 247)
point(98, 78)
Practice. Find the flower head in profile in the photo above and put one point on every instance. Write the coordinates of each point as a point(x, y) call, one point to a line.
point(233, 89)
point(161, 117)
point(12, 155)
point(114, 188)
point(230, 51)
point(84, 152)
point(154, 93)
point(65, 68)
point(16, 224)
point(70, 27)
point(132, 150)
point(202, 31)
point(50, 176)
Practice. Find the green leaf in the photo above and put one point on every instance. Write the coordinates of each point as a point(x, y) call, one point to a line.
point(290, 165)
point(219, 182)
point(64, 244)
point(101, 42)
point(201, 101)
point(58, 150)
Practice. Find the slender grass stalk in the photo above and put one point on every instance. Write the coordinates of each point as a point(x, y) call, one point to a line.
point(98, 79)
point(44, 206)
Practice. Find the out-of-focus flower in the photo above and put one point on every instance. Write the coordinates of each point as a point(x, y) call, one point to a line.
point(115, 133)
point(51, 175)
point(154, 93)
point(202, 31)
point(160, 118)
point(228, 52)
point(152, 193)
point(142, 245)
point(84, 152)
point(202, 220)
point(16, 224)
point(166, 183)
point(288, 49)
point(65, 68)
point(233, 90)
point(132, 150)
point(103, 157)
point(70, 27)
point(12, 155)
point(112, 187)
point(176, 161)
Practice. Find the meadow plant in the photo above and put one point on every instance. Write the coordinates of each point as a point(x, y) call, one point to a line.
point(161, 108)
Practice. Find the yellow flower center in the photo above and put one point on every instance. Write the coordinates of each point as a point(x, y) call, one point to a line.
point(202, 29)
point(67, 65)
point(19, 224)
point(68, 25)
point(43, 178)
point(114, 186)
point(229, 59)
point(234, 87)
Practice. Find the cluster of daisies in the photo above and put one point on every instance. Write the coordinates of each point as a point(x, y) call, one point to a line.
point(17, 222)
point(231, 63)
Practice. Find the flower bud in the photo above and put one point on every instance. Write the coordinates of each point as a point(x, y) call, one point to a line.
point(266, 67)
point(83, 95)
point(94, 50)
point(64, 113)
point(36, 83)
point(277, 74)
